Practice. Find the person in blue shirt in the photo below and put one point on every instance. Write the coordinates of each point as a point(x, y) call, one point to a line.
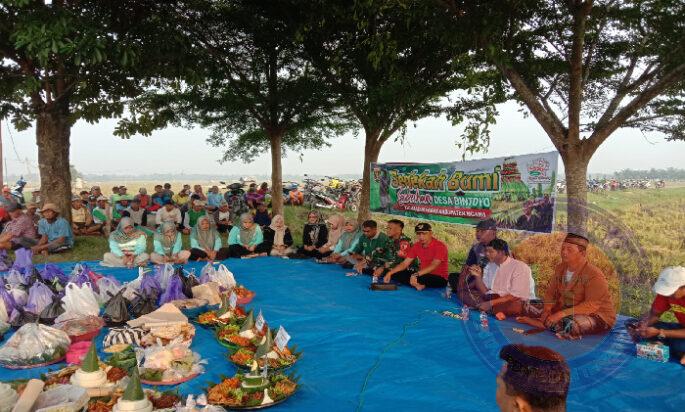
point(127, 246)
point(214, 198)
point(246, 240)
point(205, 242)
point(54, 231)
point(168, 246)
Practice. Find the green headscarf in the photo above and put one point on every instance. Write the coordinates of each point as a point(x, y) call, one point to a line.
point(120, 236)
point(205, 238)
point(163, 239)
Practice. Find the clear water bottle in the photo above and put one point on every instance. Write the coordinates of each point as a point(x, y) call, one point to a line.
point(465, 312)
point(374, 279)
point(448, 291)
point(484, 322)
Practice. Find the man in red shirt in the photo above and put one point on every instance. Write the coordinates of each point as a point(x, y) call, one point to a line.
point(432, 256)
point(670, 290)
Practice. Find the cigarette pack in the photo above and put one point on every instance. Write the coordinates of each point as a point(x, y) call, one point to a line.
point(655, 351)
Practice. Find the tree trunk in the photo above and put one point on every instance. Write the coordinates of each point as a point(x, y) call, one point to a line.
point(575, 165)
point(372, 148)
point(53, 131)
point(276, 173)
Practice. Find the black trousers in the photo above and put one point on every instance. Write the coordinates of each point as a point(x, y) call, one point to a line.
point(237, 251)
point(197, 254)
point(429, 281)
point(313, 253)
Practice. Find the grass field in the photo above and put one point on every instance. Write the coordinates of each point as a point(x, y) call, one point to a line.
point(652, 220)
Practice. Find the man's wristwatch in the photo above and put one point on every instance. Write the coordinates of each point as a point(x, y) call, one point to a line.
point(661, 334)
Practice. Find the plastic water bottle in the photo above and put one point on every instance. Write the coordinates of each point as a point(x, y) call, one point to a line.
point(448, 291)
point(484, 323)
point(465, 312)
point(374, 279)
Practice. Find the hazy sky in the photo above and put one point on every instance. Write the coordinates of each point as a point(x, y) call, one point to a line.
point(95, 150)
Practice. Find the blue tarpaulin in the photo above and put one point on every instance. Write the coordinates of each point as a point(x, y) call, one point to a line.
point(380, 351)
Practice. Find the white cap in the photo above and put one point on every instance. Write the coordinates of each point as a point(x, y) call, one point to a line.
point(670, 279)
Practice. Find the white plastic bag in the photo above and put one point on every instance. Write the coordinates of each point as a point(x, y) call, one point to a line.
point(4, 317)
point(223, 277)
point(164, 274)
point(14, 278)
point(19, 294)
point(133, 286)
point(106, 289)
point(78, 302)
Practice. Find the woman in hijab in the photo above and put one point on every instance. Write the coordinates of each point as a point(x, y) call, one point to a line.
point(277, 237)
point(244, 239)
point(127, 246)
point(168, 245)
point(314, 236)
point(205, 242)
point(336, 224)
point(347, 242)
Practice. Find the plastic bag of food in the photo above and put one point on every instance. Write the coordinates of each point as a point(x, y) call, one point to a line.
point(4, 316)
point(40, 296)
point(18, 294)
point(143, 304)
point(52, 272)
point(163, 274)
point(78, 302)
point(209, 291)
point(107, 287)
point(7, 299)
point(15, 278)
point(189, 282)
point(21, 317)
point(133, 286)
point(150, 286)
point(224, 277)
point(116, 309)
point(62, 398)
point(33, 344)
point(5, 261)
point(207, 273)
point(79, 275)
point(23, 260)
point(51, 311)
point(173, 291)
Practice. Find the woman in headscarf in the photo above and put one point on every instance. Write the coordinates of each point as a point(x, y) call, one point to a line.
point(168, 245)
point(314, 235)
point(277, 237)
point(205, 242)
point(336, 224)
point(244, 239)
point(347, 242)
point(127, 246)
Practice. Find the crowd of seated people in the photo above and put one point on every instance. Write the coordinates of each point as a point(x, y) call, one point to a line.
point(576, 300)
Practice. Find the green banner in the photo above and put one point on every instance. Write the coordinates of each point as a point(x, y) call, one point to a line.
point(518, 192)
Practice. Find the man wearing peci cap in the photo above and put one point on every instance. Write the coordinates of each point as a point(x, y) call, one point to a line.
point(18, 232)
point(532, 379)
point(464, 283)
point(670, 296)
point(433, 262)
point(54, 231)
point(577, 301)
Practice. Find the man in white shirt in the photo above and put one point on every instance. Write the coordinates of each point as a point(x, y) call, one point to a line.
point(169, 213)
point(505, 284)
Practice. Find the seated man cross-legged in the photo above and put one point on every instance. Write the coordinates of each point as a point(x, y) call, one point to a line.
point(670, 290)
point(371, 249)
point(55, 232)
point(433, 262)
point(577, 301)
point(505, 285)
